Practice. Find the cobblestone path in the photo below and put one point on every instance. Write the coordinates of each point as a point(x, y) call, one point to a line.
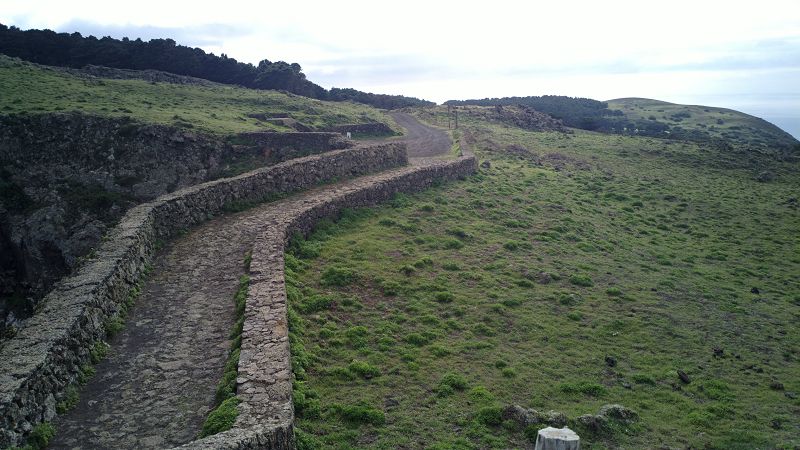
point(157, 384)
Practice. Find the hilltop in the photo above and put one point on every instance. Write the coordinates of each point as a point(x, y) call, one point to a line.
point(697, 122)
point(644, 117)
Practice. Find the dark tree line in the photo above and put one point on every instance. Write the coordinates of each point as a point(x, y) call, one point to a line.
point(74, 50)
point(377, 100)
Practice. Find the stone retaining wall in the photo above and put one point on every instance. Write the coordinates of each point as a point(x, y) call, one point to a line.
point(283, 146)
point(46, 356)
point(375, 128)
point(264, 383)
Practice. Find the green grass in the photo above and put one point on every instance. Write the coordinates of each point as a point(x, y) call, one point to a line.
point(635, 248)
point(717, 123)
point(220, 109)
point(223, 416)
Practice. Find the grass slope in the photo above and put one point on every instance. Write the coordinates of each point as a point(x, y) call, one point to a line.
point(715, 123)
point(414, 322)
point(220, 109)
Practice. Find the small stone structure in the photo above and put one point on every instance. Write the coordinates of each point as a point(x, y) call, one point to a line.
point(45, 357)
point(557, 439)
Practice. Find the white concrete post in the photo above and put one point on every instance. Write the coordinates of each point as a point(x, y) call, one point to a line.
point(349, 136)
point(557, 439)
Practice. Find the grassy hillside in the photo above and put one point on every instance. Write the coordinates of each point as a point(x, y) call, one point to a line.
point(579, 270)
point(714, 123)
point(214, 108)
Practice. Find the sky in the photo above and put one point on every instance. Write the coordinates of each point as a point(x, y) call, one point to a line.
point(742, 55)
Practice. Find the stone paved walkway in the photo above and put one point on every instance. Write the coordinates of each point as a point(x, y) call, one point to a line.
point(157, 384)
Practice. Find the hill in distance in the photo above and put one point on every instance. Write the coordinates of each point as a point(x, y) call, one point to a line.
point(706, 122)
point(654, 118)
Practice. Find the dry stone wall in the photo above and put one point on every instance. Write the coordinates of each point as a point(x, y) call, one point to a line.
point(374, 128)
point(264, 383)
point(46, 356)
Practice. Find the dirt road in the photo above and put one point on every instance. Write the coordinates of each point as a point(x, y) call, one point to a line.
point(423, 141)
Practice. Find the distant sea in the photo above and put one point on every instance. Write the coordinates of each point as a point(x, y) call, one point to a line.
point(790, 125)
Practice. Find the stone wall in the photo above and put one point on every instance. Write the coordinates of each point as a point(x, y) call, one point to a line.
point(372, 129)
point(45, 356)
point(264, 382)
point(284, 146)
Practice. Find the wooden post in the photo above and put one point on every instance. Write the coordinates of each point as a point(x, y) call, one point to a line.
point(557, 439)
point(449, 114)
point(456, 111)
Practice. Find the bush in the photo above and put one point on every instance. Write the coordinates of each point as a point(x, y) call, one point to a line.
point(490, 415)
point(315, 303)
point(613, 292)
point(221, 418)
point(338, 276)
point(357, 336)
point(582, 387)
point(453, 244)
point(443, 297)
point(40, 436)
point(417, 339)
point(450, 383)
point(363, 369)
point(360, 413)
point(581, 280)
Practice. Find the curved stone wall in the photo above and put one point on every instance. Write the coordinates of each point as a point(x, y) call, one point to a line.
point(46, 356)
point(264, 384)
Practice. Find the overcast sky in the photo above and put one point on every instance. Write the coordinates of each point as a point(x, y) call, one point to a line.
point(743, 55)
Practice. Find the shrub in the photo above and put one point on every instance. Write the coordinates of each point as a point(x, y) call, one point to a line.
point(357, 336)
point(481, 395)
point(581, 280)
point(574, 315)
point(452, 266)
point(407, 270)
point(613, 292)
point(443, 297)
point(583, 387)
point(40, 436)
point(643, 379)
point(363, 369)
point(69, 400)
point(453, 244)
point(360, 413)
point(306, 401)
point(439, 351)
point(508, 372)
point(315, 303)
point(423, 262)
point(221, 418)
point(390, 288)
point(417, 339)
point(98, 351)
point(306, 441)
point(338, 276)
point(511, 245)
point(490, 415)
point(450, 383)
